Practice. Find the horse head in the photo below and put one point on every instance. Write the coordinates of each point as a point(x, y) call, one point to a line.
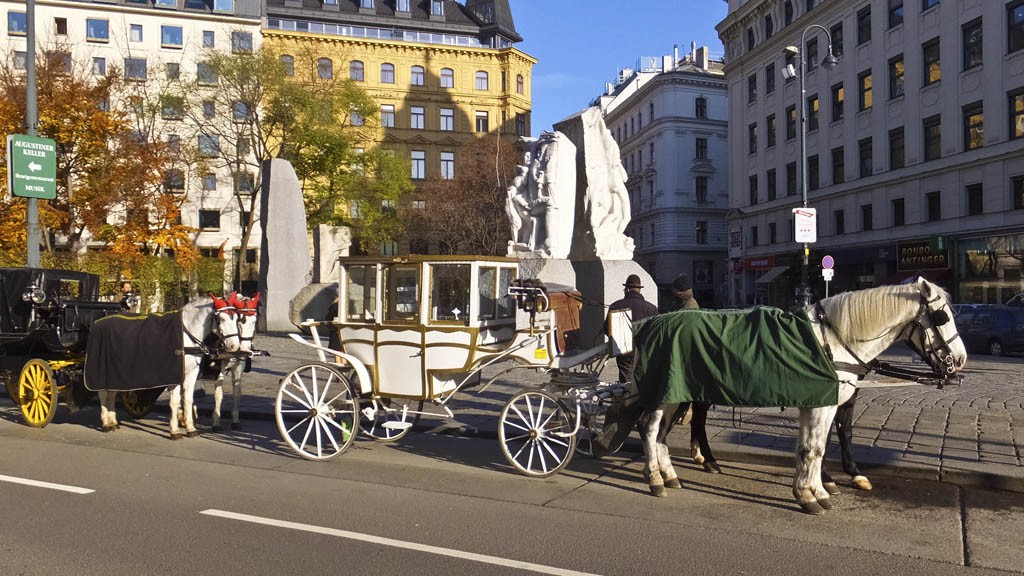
point(933, 335)
point(247, 309)
point(226, 321)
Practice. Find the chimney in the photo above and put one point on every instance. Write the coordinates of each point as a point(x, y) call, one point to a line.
point(702, 58)
point(693, 51)
point(675, 55)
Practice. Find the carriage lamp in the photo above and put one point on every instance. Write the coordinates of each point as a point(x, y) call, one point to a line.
point(34, 294)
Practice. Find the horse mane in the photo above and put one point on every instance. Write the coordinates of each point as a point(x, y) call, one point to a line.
point(867, 313)
point(197, 317)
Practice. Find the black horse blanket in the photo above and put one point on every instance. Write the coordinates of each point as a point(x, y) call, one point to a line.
point(129, 352)
point(753, 357)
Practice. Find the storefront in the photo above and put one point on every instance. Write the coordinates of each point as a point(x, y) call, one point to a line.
point(989, 269)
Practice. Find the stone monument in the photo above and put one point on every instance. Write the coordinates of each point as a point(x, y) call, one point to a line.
point(285, 263)
point(541, 202)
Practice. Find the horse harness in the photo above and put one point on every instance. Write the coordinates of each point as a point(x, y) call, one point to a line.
point(216, 349)
point(939, 358)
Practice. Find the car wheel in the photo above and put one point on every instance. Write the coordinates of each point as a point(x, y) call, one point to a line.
point(995, 348)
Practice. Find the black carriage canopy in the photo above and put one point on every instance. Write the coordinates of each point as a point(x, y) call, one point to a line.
point(752, 357)
point(130, 352)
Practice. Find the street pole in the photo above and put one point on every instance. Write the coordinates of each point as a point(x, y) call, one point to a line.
point(31, 118)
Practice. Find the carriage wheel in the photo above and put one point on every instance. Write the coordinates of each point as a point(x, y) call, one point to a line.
point(138, 403)
point(37, 393)
point(530, 432)
point(389, 419)
point(316, 411)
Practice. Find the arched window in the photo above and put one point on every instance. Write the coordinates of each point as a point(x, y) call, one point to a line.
point(481, 80)
point(355, 71)
point(520, 84)
point(387, 73)
point(447, 78)
point(288, 63)
point(417, 76)
point(325, 68)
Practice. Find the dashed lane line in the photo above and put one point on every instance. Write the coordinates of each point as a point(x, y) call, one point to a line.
point(49, 485)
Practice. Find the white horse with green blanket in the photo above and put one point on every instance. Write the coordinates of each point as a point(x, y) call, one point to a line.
point(765, 357)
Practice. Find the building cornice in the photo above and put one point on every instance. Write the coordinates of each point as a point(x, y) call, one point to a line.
point(169, 13)
point(353, 41)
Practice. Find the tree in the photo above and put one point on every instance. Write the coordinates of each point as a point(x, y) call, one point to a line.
point(466, 214)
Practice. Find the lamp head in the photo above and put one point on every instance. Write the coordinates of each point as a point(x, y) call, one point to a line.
point(791, 51)
point(830, 61)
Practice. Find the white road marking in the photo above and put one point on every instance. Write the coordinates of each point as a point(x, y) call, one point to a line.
point(396, 543)
point(51, 486)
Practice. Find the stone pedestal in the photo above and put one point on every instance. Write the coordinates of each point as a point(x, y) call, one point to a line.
point(285, 263)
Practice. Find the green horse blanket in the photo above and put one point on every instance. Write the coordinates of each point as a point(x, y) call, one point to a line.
point(752, 357)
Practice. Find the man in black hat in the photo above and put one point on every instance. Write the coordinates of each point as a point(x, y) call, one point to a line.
point(682, 293)
point(632, 300)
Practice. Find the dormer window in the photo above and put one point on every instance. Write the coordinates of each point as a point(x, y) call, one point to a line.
point(366, 4)
point(402, 5)
point(437, 7)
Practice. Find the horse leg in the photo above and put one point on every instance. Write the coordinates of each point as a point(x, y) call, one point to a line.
point(650, 422)
point(807, 488)
point(189, 386)
point(174, 402)
point(844, 431)
point(236, 392)
point(668, 471)
point(694, 445)
point(218, 397)
point(108, 413)
point(699, 437)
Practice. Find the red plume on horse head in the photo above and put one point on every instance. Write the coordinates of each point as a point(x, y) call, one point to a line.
point(220, 303)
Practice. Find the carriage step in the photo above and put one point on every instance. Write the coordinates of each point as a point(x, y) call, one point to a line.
point(397, 425)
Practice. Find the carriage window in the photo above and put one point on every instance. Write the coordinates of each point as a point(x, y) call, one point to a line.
point(69, 290)
point(506, 303)
point(449, 292)
point(402, 284)
point(488, 284)
point(494, 299)
point(361, 289)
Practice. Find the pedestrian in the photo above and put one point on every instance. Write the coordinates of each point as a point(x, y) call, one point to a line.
point(682, 293)
point(127, 297)
point(632, 300)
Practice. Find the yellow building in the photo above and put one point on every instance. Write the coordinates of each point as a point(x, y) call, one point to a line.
point(443, 73)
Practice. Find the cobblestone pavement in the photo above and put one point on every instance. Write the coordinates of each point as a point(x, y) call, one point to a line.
point(970, 434)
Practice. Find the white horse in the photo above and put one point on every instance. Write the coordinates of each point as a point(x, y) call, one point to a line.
point(245, 309)
point(854, 327)
point(198, 319)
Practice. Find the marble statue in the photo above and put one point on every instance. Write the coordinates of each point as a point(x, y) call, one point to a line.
point(541, 203)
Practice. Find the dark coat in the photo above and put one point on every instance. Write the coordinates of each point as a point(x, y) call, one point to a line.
point(635, 303)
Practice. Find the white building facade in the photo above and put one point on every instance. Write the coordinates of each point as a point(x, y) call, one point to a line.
point(669, 117)
point(915, 144)
point(155, 42)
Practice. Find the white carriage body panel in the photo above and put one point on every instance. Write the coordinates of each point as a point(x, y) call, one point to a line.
point(399, 364)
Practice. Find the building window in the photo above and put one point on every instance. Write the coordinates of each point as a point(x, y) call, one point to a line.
point(789, 61)
point(356, 71)
point(787, 13)
point(896, 76)
point(864, 25)
point(974, 126)
point(223, 5)
point(898, 212)
point(355, 118)
point(17, 24)
point(416, 75)
point(769, 26)
point(209, 181)
point(895, 13)
point(387, 115)
point(419, 164)
point(447, 165)
point(752, 89)
point(366, 4)
point(387, 73)
point(135, 32)
point(447, 78)
point(437, 7)
point(864, 149)
point(750, 39)
point(864, 83)
point(325, 68)
point(209, 146)
point(1016, 110)
point(790, 122)
point(791, 179)
point(520, 84)
point(174, 143)
point(209, 219)
point(811, 53)
point(896, 148)
point(752, 189)
point(838, 165)
point(174, 181)
point(839, 217)
point(837, 102)
point(867, 217)
point(933, 201)
point(482, 121)
point(769, 128)
point(99, 66)
point(481, 80)
point(702, 148)
point(836, 32)
point(209, 39)
point(700, 107)
point(241, 42)
point(288, 63)
point(403, 6)
point(752, 138)
point(1015, 25)
point(813, 180)
point(926, 4)
point(753, 236)
point(172, 107)
point(972, 44)
point(521, 125)
point(135, 68)
point(932, 137)
point(447, 119)
point(975, 200)
point(812, 113)
point(97, 30)
point(205, 74)
point(932, 62)
point(416, 116)
point(771, 184)
point(1017, 184)
point(769, 79)
point(702, 189)
point(701, 230)
point(170, 37)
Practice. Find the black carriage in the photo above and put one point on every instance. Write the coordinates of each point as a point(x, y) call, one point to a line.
point(45, 318)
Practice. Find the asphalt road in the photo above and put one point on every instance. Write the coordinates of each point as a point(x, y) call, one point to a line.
point(241, 503)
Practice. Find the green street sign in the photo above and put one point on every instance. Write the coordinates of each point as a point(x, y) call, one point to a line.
point(32, 166)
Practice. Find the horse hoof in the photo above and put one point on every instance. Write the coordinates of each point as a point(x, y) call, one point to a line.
point(825, 503)
point(192, 433)
point(831, 488)
point(176, 436)
point(673, 483)
point(812, 508)
point(658, 491)
point(236, 425)
point(861, 483)
point(217, 428)
point(108, 429)
point(712, 467)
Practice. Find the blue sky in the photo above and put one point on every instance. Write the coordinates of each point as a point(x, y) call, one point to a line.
point(581, 44)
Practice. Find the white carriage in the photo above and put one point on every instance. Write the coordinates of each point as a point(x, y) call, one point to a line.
point(414, 331)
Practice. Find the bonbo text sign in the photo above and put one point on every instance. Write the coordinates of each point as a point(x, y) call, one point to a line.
point(32, 166)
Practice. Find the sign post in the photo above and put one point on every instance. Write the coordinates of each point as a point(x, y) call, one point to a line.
point(828, 264)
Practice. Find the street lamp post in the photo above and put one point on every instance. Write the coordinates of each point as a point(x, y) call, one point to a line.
point(803, 292)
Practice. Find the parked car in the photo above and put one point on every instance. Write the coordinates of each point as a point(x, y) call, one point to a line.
point(960, 308)
point(995, 330)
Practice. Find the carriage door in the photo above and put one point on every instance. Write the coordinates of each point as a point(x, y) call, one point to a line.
point(399, 364)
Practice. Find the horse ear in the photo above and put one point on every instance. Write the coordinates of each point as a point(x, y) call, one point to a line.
point(218, 303)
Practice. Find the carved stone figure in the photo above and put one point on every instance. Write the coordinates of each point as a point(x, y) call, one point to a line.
point(541, 203)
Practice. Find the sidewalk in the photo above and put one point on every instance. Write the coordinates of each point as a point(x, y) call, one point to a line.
point(971, 434)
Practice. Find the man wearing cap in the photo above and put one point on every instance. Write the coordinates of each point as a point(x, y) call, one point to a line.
point(632, 300)
point(682, 293)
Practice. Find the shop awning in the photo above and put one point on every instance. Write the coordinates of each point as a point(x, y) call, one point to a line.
point(771, 275)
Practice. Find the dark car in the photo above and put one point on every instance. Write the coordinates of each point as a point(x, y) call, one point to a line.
point(995, 330)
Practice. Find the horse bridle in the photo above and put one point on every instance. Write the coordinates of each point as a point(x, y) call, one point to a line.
point(241, 315)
